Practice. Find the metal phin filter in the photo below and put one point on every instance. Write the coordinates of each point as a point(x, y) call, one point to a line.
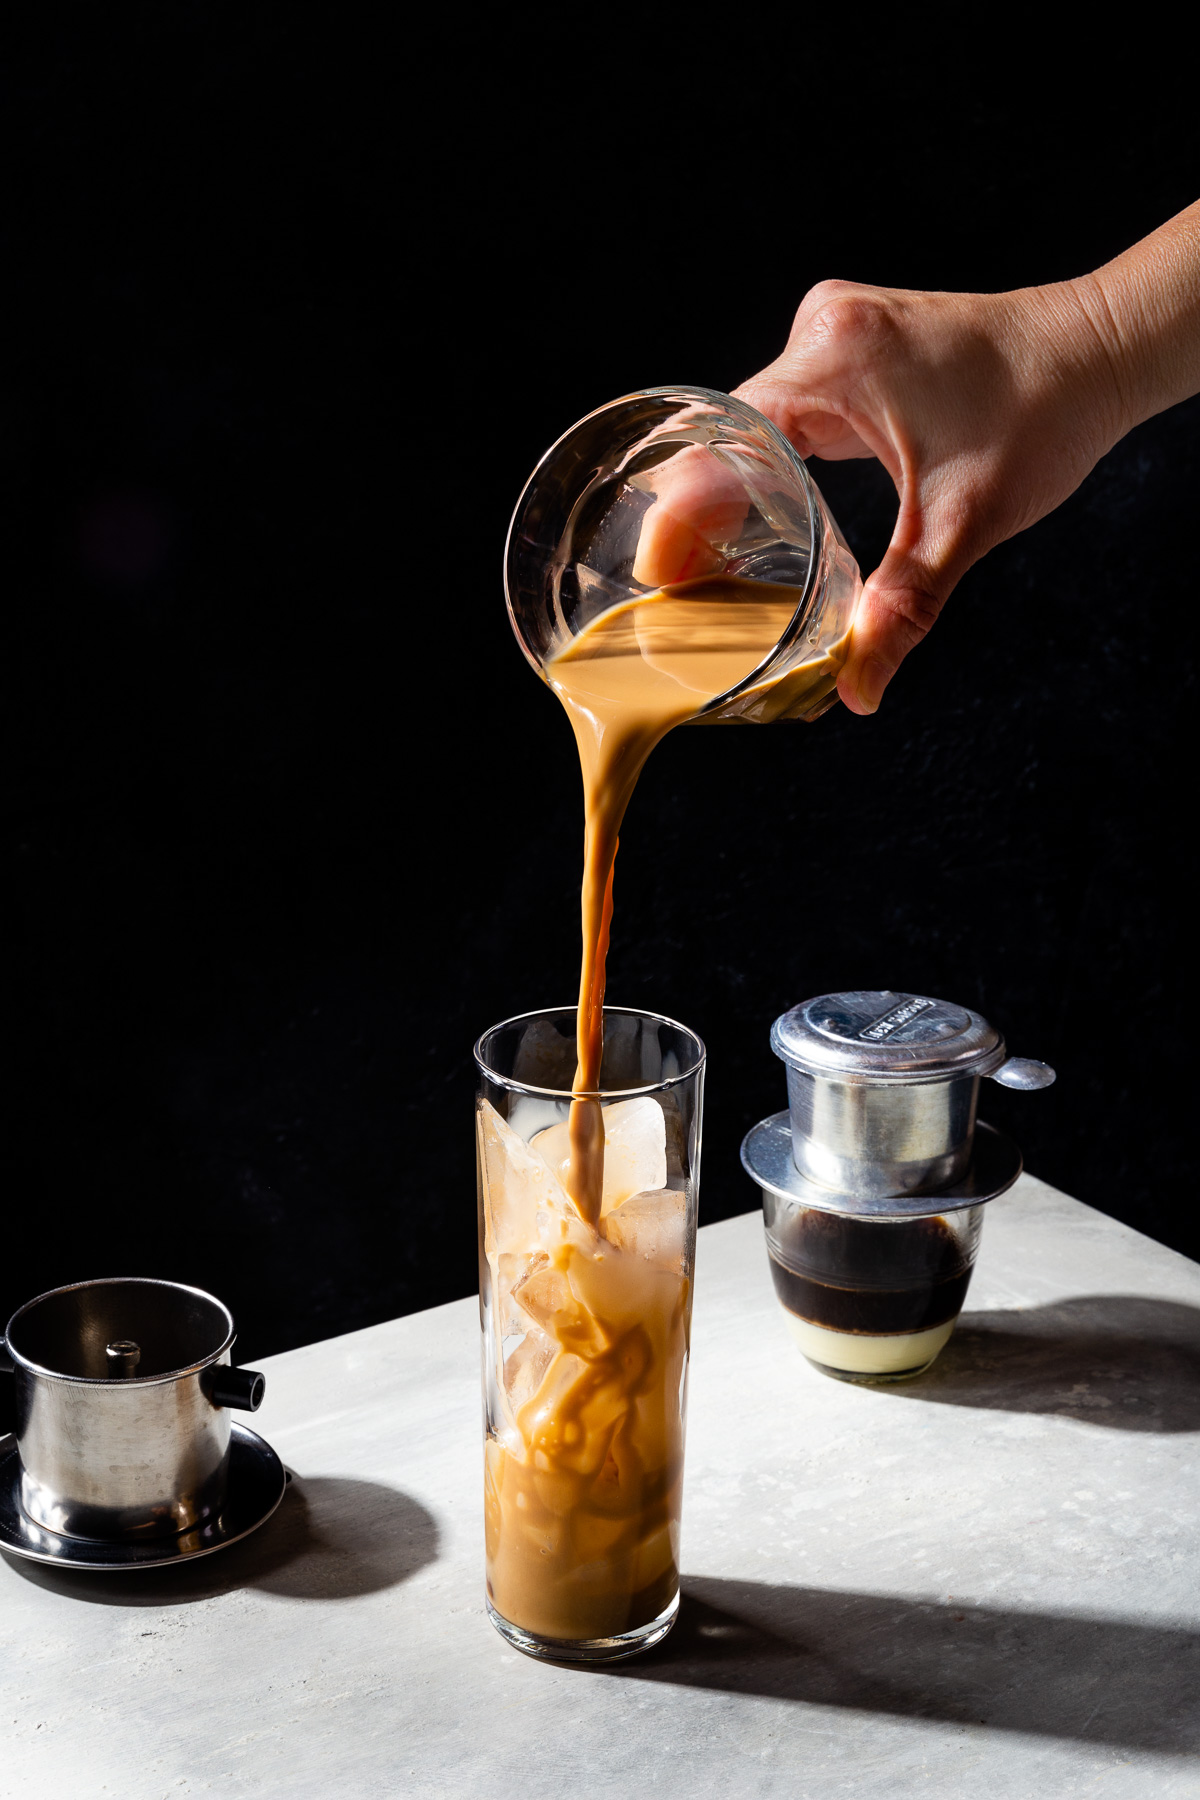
point(124, 1442)
point(875, 1178)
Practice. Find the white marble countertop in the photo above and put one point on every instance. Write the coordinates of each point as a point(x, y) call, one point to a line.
point(987, 1581)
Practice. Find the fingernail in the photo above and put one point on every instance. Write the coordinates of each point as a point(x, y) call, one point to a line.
point(873, 677)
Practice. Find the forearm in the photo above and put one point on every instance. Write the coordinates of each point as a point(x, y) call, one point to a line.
point(1145, 305)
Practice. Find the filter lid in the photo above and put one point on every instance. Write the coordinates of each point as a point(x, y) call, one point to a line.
point(875, 1035)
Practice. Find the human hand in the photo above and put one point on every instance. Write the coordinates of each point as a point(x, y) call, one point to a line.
point(987, 410)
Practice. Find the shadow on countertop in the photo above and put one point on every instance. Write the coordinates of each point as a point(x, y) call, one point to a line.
point(1096, 1680)
point(1122, 1361)
point(333, 1538)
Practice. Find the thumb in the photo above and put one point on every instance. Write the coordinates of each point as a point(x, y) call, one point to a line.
point(899, 603)
point(698, 512)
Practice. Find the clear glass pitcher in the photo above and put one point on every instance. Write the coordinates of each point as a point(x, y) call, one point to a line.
point(661, 490)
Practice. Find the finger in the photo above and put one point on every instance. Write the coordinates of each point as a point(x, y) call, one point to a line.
point(827, 391)
point(893, 616)
point(934, 542)
point(697, 514)
point(670, 549)
point(700, 506)
point(812, 423)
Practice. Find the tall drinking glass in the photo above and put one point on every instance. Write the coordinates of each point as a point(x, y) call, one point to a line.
point(586, 1332)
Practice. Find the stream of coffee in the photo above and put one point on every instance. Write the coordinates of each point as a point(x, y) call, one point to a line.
point(628, 678)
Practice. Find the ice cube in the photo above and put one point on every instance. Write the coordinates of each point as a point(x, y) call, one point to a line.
point(527, 1115)
point(545, 1057)
point(652, 1226)
point(635, 1149)
point(545, 1292)
point(553, 1145)
point(517, 1186)
point(546, 1297)
point(543, 1429)
point(512, 1269)
point(525, 1367)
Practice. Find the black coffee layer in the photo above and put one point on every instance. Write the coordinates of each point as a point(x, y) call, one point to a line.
point(852, 1252)
point(874, 1310)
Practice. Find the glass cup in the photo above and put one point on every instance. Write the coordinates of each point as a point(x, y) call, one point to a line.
point(695, 493)
point(870, 1299)
point(586, 1333)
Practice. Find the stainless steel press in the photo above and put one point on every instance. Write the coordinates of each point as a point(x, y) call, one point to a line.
point(874, 1181)
point(883, 1087)
point(123, 1389)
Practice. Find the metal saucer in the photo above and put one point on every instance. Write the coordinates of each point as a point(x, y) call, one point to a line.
point(257, 1480)
point(767, 1158)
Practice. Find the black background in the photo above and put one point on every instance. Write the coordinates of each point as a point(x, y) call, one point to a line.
point(294, 308)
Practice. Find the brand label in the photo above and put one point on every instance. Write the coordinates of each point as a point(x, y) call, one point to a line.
point(883, 1027)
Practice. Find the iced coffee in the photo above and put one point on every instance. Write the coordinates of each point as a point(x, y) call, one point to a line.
point(586, 1330)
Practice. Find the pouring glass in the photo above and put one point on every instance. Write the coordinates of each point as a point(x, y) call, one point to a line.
point(665, 485)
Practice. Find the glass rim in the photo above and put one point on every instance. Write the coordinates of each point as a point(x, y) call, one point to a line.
point(628, 1093)
point(816, 524)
